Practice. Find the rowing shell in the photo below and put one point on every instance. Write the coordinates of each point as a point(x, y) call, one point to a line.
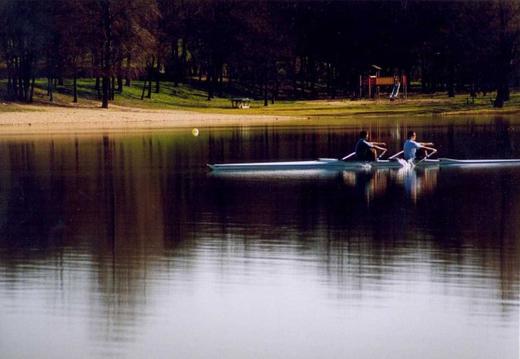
point(446, 162)
point(340, 165)
point(320, 163)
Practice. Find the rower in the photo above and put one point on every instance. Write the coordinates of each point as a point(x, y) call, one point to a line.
point(365, 150)
point(410, 146)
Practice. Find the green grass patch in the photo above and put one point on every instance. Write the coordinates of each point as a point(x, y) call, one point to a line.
point(185, 97)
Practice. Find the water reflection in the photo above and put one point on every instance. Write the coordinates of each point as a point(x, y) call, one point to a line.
point(117, 245)
point(416, 182)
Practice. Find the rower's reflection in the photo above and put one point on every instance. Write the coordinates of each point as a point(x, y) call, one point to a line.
point(370, 183)
point(416, 181)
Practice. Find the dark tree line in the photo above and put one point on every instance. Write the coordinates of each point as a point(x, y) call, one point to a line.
point(267, 49)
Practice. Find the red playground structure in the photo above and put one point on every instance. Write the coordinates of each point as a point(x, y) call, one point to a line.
point(370, 85)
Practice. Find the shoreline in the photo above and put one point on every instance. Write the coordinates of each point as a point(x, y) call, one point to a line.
point(63, 120)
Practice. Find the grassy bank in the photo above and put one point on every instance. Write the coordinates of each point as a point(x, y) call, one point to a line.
point(192, 99)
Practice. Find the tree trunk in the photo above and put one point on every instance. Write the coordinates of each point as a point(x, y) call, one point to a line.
point(75, 87)
point(107, 52)
point(112, 88)
point(266, 101)
point(27, 82)
point(276, 90)
point(149, 94)
point(174, 61)
point(220, 80)
point(333, 82)
point(11, 80)
point(294, 79)
point(99, 90)
point(127, 71)
point(184, 61)
point(149, 74)
point(312, 77)
point(105, 88)
point(423, 74)
point(502, 91)
point(144, 89)
point(504, 60)
point(49, 89)
point(20, 80)
point(156, 73)
point(451, 85)
point(209, 82)
point(215, 79)
point(19, 84)
point(20, 87)
point(32, 89)
point(9, 76)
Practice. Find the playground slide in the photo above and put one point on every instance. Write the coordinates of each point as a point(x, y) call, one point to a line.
point(395, 91)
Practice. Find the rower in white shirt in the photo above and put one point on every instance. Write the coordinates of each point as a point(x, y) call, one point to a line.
point(411, 146)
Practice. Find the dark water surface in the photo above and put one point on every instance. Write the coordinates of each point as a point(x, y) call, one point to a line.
point(125, 246)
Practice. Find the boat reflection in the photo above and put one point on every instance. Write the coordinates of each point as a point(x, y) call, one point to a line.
point(416, 181)
point(278, 175)
point(369, 183)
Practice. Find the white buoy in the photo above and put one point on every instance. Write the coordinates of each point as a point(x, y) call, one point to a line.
point(195, 132)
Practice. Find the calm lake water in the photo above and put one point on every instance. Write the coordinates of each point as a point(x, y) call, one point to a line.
point(126, 246)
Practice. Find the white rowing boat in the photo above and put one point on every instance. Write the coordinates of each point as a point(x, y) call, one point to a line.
point(320, 163)
point(447, 162)
point(341, 165)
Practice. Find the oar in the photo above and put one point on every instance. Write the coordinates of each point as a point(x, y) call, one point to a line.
point(353, 153)
point(427, 155)
point(394, 156)
point(348, 156)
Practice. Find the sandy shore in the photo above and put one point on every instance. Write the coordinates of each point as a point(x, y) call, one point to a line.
point(80, 120)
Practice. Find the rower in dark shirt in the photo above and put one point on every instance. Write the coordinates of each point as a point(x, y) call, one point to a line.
point(365, 150)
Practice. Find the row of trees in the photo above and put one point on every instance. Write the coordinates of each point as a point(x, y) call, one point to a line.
point(272, 49)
